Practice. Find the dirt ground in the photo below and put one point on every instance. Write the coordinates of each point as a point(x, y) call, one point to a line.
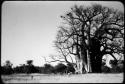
point(73, 78)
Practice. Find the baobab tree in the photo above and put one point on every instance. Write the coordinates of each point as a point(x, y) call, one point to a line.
point(90, 32)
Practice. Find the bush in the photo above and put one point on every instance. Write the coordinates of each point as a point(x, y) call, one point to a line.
point(70, 68)
point(116, 67)
point(48, 68)
point(105, 69)
point(6, 70)
point(60, 68)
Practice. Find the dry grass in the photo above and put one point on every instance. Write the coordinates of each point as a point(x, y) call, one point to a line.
point(73, 78)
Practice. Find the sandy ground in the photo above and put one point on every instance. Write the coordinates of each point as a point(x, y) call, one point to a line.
point(73, 78)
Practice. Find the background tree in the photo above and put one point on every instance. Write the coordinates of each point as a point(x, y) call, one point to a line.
point(29, 62)
point(7, 68)
point(30, 68)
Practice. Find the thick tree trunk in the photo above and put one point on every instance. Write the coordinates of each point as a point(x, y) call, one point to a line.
point(81, 67)
point(85, 67)
point(88, 62)
point(96, 56)
point(96, 63)
point(81, 63)
point(83, 58)
point(99, 64)
point(78, 67)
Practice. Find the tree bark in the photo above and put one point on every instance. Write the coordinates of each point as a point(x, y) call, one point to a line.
point(88, 62)
point(96, 56)
point(96, 63)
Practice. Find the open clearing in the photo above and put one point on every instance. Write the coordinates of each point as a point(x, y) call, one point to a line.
point(73, 78)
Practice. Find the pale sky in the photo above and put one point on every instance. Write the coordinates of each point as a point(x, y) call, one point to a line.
point(29, 28)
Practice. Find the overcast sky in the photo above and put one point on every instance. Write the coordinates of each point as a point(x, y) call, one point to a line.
point(29, 28)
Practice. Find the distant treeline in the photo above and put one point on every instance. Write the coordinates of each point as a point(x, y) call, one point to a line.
point(48, 68)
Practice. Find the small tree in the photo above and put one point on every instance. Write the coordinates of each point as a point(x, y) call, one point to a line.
point(29, 62)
